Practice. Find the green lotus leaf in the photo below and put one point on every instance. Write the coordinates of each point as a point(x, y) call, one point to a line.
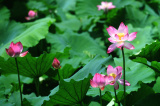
point(28, 66)
point(28, 34)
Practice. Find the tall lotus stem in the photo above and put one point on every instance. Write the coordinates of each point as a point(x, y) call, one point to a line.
point(100, 96)
point(124, 75)
point(116, 99)
point(19, 81)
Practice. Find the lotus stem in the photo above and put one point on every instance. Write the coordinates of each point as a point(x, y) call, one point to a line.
point(19, 81)
point(100, 96)
point(116, 99)
point(124, 75)
point(115, 95)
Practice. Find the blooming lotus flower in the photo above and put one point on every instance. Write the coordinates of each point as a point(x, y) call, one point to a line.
point(114, 75)
point(105, 6)
point(56, 63)
point(15, 50)
point(98, 81)
point(31, 15)
point(119, 37)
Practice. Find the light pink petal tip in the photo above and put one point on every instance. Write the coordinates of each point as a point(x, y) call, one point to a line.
point(121, 28)
point(23, 54)
point(132, 36)
point(128, 46)
point(111, 48)
point(122, 83)
point(111, 31)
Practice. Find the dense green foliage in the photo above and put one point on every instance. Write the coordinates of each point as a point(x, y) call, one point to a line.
point(74, 32)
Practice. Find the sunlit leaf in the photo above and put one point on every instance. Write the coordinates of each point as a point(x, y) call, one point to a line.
point(156, 85)
point(150, 52)
point(28, 34)
point(149, 56)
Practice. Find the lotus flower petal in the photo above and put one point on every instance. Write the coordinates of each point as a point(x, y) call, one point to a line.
point(111, 48)
point(128, 46)
point(99, 81)
point(112, 31)
point(23, 54)
point(119, 69)
point(132, 36)
point(110, 70)
point(111, 39)
point(10, 52)
point(105, 6)
point(15, 50)
point(121, 81)
point(56, 63)
point(119, 44)
point(123, 29)
point(93, 84)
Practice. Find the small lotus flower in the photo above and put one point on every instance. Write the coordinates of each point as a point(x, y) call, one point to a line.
point(15, 50)
point(119, 37)
point(114, 74)
point(56, 63)
point(98, 81)
point(106, 6)
point(31, 15)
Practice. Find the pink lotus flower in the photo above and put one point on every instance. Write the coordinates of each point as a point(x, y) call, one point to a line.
point(105, 6)
point(119, 37)
point(114, 74)
point(15, 50)
point(98, 81)
point(31, 15)
point(56, 63)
